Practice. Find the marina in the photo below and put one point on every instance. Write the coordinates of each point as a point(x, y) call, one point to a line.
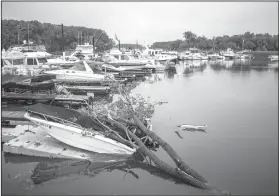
point(138, 106)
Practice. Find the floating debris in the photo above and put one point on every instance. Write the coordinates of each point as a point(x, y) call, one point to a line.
point(185, 127)
point(178, 134)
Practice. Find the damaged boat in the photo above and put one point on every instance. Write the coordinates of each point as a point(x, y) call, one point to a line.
point(75, 129)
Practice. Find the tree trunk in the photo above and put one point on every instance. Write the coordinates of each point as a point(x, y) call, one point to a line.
point(167, 168)
point(178, 161)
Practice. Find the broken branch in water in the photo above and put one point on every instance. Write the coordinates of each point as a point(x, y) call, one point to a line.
point(177, 133)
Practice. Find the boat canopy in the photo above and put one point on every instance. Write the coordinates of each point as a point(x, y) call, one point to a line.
point(13, 55)
point(66, 114)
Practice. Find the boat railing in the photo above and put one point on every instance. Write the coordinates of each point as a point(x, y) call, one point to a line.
point(56, 120)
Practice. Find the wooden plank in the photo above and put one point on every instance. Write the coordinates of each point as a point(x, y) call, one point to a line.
point(19, 122)
point(30, 96)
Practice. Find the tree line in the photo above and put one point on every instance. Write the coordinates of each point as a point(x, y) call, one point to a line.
point(248, 41)
point(50, 35)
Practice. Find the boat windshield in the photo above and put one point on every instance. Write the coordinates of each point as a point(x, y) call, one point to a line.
point(67, 115)
point(78, 67)
point(42, 60)
point(124, 57)
point(53, 119)
point(16, 61)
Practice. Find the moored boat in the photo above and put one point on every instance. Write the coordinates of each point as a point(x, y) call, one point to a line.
point(74, 74)
point(273, 57)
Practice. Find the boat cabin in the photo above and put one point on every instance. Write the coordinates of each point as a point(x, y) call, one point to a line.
point(153, 52)
point(194, 50)
point(85, 49)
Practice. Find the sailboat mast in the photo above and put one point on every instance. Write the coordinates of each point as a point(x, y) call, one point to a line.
point(28, 35)
point(78, 37)
point(62, 38)
point(18, 37)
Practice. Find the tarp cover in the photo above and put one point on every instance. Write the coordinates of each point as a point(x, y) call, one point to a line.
point(14, 78)
point(66, 114)
point(43, 82)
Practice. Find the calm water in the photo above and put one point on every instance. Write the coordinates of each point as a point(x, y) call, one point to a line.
point(238, 153)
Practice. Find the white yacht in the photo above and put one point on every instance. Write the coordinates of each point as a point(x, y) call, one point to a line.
point(77, 72)
point(123, 61)
point(229, 53)
point(27, 63)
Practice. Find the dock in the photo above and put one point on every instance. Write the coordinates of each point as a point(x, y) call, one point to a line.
point(12, 115)
point(91, 89)
point(34, 97)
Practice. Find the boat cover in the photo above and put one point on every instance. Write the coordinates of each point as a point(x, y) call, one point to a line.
point(43, 82)
point(14, 78)
point(66, 114)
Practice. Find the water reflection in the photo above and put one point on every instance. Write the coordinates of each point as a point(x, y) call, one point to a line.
point(51, 169)
point(188, 68)
point(157, 77)
point(170, 73)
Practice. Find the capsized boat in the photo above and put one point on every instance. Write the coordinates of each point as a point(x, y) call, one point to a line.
point(73, 128)
point(77, 72)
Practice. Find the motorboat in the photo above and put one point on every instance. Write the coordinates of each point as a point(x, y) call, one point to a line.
point(243, 55)
point(194, 54)
point(155, 65)
point(74, 129)
point(27, 63)
point(273, 57)
point(215, 56)
point(229, 54)
point(80, 71)
point(84, 51)
point(109, 67)
point(123, 61)
point(165, 57)
point(64, 60)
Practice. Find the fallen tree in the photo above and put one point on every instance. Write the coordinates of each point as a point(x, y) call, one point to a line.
point(132, 111)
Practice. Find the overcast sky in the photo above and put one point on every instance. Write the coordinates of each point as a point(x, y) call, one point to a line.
point(153, 21)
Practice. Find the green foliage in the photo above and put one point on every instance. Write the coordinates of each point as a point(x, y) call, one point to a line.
point(250, 41)
point(131, 46)
point(50, 35)
point(171, 45)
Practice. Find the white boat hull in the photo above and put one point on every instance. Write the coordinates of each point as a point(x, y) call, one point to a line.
point(121, 68)
point(73, 136)
point(80, 77)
